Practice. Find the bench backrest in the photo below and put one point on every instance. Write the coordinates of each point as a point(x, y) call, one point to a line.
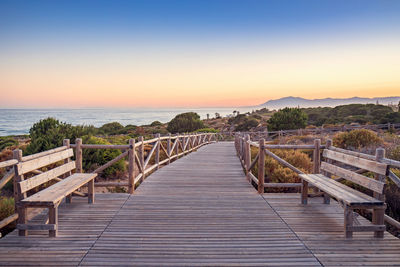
point(37, 161)
point(355, 161)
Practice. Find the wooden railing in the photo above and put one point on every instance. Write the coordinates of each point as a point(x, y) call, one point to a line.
point(172, 147)
point(243, 145)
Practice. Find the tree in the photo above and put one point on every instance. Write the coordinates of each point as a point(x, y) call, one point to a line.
point(288, 119)
point(185, 122)
point(50, 133)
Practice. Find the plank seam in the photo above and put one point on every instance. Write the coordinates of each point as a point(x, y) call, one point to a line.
point(290, 228)
point(105, 228)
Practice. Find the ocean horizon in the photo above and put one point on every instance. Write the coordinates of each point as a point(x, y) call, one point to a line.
point(19, 121)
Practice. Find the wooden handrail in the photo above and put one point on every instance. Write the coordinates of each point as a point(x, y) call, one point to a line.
point(8, 163)
point(243, 151)
point(182, 144)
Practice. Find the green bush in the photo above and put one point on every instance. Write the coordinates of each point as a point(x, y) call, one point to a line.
point(155, 123)
point(287, 119)
point(356, 139)
point(247, 124)
point(6, 207)
point(94, 158)
point(7, 142)
point(111, 128)
point(185, 122)
point(349, 113)
point(50, 133)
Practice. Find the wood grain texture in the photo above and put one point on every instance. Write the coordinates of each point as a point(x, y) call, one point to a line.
point(185, 215)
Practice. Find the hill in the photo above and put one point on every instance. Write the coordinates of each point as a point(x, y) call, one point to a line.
point(326, 102)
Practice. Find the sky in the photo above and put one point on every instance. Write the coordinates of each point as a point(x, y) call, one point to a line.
point(220, 53)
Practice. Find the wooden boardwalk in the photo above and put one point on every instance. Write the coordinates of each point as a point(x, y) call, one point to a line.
point(197, 211)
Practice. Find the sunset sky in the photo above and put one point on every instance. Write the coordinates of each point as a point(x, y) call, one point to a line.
point(195, 53)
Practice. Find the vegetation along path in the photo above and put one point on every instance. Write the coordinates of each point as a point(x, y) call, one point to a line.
point(199, 210)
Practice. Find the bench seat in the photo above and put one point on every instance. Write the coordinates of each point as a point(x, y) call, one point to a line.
point(341, 192)
point(55, 193)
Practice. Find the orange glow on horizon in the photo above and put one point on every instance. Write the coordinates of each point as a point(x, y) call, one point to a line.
point(218, 79)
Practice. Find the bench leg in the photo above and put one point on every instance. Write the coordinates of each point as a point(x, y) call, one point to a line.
point(304, 192)
point(22, 219)
point(53, 219)
point(348, 221)
point(91, 192)
point(327, 199)
point(68, 199)
point(378, 218)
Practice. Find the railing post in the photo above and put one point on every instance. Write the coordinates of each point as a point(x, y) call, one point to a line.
point(141, 156)
point(78, 155)
point(247, 157)
point(378, 215)
point(157, 156)
point(67, 143)
point(169, 148)
point(316, 159)
point(177, 146)
point(17, 154)
point(327, 198)
point(261, 166)
point(317, 156)
point(131, 166)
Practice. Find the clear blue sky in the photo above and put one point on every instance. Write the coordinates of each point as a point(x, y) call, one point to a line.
point(177, 36)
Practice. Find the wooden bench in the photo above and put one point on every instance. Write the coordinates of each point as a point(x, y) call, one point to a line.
point(51, 196)
point(348, 165)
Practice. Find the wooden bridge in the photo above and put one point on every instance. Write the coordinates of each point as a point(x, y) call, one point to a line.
point(200, 210)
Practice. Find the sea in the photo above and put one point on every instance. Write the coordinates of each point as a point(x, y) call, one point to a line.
point(19, 121)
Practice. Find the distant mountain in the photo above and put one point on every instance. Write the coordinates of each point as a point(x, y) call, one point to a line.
point(326, 102)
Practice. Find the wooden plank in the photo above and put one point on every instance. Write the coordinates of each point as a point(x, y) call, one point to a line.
point(38, 163)
point(44, 153)
point(58, 191)
point(8, 220)
point(367, 228)
point(7, 177)
point(359, 179)
point(36, 227)
point(111, 162)
point(45, 177)
point(8, 163)
point(282, 185)
point(283, 162)
point(358, 162)
point(342, 192)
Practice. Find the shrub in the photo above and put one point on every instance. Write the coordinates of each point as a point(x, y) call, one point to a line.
point(94, 158)
point(247, 124)
point(156, 123)
point(6, 207)
point(395, 153)
point(185, 122)
point(277, 173)
point(356, 139)
point(287, 119)
point(7, 142)
point(50, 133)
point(111, 128)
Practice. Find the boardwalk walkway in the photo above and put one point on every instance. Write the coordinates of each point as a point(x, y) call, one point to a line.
point(199, 210)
